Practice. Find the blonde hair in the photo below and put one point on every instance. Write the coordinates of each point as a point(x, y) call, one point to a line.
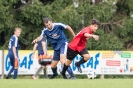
point(18, 29)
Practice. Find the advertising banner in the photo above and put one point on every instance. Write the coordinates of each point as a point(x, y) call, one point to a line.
point(107, 62)
point(102, 62)
point(27, 65)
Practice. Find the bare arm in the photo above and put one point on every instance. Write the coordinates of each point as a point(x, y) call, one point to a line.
point(96, 37)
point(70, 30)
point(14, 52)
point(15, 56)
point(37, 39)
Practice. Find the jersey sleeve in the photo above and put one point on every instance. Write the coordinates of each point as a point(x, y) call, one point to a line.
point(43, 32)
point(15, 41)
point(62, 25)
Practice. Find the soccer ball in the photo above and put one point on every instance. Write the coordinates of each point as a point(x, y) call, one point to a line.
point(91, 74)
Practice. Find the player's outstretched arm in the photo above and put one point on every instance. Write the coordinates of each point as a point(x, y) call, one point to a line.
point(96, 37)
point(37, 39)
point(70, 30)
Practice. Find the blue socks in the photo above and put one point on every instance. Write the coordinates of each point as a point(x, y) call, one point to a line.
point(69, 70)
point(54, 70)
point(15, 73)
point(10, 72)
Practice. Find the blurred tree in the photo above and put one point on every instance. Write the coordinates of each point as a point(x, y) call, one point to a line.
point(114, 15)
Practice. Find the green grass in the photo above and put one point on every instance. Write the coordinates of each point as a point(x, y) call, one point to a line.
point(62, 83)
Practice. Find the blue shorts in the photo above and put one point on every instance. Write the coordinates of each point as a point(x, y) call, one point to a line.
point(12, 60)
point(62, 50)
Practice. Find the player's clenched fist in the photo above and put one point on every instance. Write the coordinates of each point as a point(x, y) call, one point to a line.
point(96, 37)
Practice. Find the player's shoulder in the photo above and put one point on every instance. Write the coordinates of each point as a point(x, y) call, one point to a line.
point(59, 24)
point(13, 37)
point(86, 28)
point(44, 29)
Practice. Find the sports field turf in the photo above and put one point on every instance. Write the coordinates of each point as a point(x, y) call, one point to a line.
point(62, 83)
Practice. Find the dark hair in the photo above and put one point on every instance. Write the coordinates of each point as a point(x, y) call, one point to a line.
point(46, 19)
point(94, 21)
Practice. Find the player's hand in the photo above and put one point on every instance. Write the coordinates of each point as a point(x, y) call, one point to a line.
point(16, 57)
point(34, 41)
point(96, 37)
point(45, 54)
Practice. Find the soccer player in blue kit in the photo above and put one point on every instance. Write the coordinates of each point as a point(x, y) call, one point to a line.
point(42, 50)
point(13, 53)
point(55, 35)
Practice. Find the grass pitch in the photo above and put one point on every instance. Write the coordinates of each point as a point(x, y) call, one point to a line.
point(62, 83)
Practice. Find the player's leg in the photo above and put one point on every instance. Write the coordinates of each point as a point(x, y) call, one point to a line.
point(70, 56)
point(15, 68)
point(69, 70)
point(54, 63)
point(63, 51)
point(45, 71)
point(54, 69)
point(84, 53)
point(12, 68)
point(37, 72)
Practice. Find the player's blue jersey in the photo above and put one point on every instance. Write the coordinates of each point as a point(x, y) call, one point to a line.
point(56, 35)
point(40, 48)
point(13, 42)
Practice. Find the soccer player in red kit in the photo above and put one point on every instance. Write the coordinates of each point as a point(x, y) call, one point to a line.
point(78, 46)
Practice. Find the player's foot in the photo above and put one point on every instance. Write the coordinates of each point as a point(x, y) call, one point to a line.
point(7, 77)
point(33, 77)
point(78, 67)
point(73, 78)
point(53, 76)
point(46, 77)
point(64, 75)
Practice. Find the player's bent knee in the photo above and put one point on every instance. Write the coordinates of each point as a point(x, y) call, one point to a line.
point(68, 62)
point(87, 57)
point(53, 66)
point(62, 61)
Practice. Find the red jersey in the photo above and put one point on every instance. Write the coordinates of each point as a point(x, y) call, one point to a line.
point(79, 41)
